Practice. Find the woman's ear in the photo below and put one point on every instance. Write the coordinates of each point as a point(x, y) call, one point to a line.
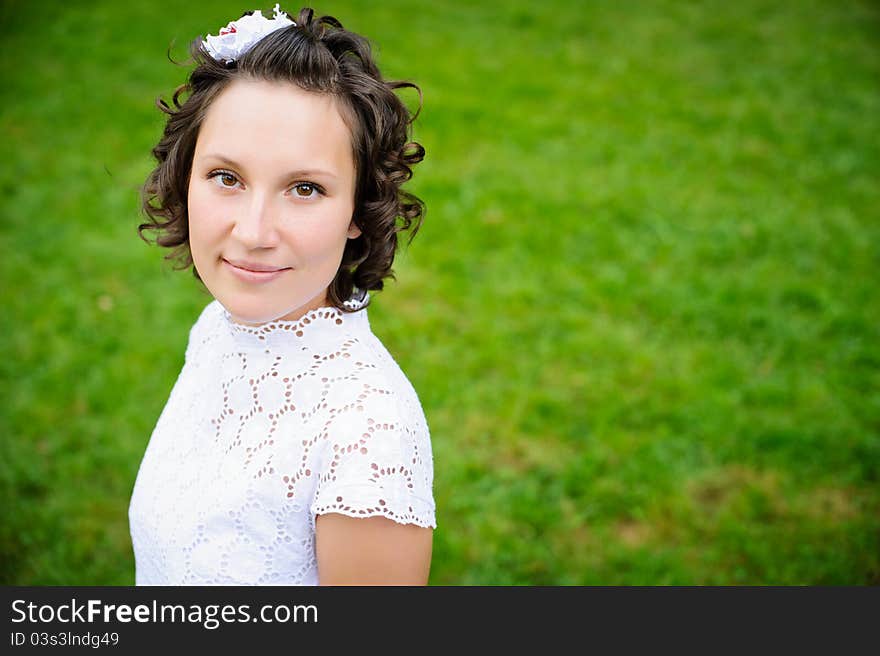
point(353, 231)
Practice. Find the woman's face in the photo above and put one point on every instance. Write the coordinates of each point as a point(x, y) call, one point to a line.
point(271, 197)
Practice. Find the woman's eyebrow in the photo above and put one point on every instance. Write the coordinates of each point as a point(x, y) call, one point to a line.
point(292, 174)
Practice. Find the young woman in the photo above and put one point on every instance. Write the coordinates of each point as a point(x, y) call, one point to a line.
point(292, 448)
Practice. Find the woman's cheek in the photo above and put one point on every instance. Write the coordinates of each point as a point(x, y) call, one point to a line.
point(205, 213)
point(195, 205)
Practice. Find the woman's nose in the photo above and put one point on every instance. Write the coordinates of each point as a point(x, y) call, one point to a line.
point(255, 224)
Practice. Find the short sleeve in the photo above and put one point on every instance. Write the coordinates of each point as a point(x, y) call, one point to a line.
point(377, 462)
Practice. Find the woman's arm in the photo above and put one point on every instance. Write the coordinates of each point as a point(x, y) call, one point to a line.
point(371, 551)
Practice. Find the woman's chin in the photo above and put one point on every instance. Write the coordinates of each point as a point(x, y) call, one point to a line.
point(248, 314)
point(250, 321)
point(257, 314)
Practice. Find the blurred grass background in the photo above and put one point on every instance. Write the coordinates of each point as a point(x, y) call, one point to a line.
point(641, 313)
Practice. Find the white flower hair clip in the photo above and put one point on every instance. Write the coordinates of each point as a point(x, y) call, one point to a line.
point(240, 35)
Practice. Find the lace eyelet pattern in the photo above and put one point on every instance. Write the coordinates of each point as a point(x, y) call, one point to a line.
point(266, 428)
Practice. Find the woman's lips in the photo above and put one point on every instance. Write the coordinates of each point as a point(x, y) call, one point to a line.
point(249, 275)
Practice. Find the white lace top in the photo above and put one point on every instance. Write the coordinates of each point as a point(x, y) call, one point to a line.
point(265, 428)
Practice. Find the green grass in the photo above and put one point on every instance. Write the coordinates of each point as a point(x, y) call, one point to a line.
point(641, 313)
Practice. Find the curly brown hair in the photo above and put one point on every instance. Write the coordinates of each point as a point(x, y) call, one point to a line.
point(317, 55)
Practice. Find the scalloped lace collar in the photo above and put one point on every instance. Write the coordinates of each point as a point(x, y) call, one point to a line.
point(314, 325)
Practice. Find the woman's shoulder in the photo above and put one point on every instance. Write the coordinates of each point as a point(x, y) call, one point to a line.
point(379, 370)
point(205, 327)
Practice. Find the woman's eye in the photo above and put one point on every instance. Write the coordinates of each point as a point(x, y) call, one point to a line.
point(310, 190)
point(224, 179)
